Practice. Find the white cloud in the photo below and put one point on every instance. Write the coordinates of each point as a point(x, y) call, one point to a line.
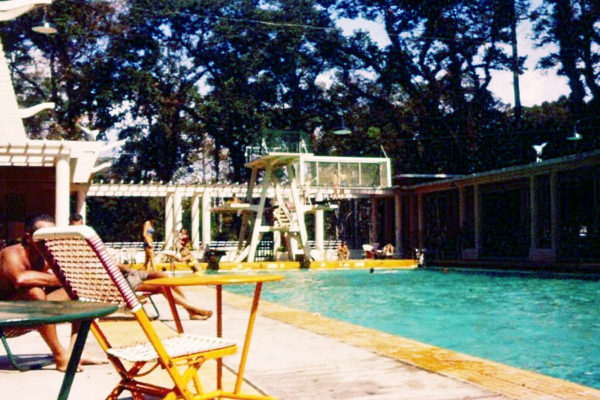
point(375, 29)
point(536, 87)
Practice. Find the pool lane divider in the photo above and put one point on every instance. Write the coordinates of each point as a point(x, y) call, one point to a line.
point(499, 378)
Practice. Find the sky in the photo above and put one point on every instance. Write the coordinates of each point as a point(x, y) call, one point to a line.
point(536, 85)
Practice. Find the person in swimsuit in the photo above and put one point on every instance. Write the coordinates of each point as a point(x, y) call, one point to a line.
point(184, 250)
point(343, 251)
point(147, 237)
point(388, 251)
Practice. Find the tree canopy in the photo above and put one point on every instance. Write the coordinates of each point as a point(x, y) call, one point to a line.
point(191, 84)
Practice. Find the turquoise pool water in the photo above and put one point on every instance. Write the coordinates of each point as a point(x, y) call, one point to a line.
point(545, 324)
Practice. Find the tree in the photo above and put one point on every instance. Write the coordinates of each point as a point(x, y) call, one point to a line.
point(62, 63)
point(573, 27)
point(513, 11)
point(433, 77)
point(181, 71)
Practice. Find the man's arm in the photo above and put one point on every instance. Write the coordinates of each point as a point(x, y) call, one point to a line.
point(18, 274)
point(36, 279)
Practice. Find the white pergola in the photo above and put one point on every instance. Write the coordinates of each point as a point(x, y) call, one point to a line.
point(207, 199)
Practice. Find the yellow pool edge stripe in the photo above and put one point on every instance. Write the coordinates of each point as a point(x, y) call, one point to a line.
point(292, 265)
point(499, 378)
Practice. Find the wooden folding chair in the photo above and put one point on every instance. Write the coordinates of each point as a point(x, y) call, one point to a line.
point(88, 272)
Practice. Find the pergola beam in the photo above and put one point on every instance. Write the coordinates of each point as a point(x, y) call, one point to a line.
point(222, 191)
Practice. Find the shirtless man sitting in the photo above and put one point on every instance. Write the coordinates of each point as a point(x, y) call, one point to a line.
point(24, 275)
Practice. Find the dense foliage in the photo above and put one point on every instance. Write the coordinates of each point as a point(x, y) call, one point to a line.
point(191, 84)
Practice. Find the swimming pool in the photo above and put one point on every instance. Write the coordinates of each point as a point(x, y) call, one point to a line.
point(544, 324)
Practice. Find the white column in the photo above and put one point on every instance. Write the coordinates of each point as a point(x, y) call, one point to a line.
point(477, 214)
point(81, 207)
point(169, 221)
point(177, 214)
point(398, 223)
point(206, 197)
point(374, 226)
point(462, 220)
point(554, 212)
point(195, 221)
point(257, 225)
point(462, 216)
point(62, 193)
point(319, 224)
point(420, 222)
point(533, 212)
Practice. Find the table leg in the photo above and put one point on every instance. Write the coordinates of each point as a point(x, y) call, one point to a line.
point(249, 329)
point(84, 328)
point(219, 334)
point(173, 306)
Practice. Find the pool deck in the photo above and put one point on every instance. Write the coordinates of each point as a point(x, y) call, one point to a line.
point(301, 355)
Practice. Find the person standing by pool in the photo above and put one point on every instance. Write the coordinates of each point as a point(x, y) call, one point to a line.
point(148, 238)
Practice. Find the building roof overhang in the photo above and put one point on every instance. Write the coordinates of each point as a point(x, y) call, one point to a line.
point(566, 163)
point(82, 155)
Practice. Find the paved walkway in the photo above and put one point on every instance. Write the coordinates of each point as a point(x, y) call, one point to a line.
point(297, 355)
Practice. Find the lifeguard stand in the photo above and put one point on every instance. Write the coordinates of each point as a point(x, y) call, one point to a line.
point(287, 176)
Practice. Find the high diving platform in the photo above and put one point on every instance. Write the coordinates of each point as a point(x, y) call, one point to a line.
point(286, 181)
point(287, 185)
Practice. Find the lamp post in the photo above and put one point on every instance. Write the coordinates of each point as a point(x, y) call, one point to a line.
point(539, 149)
point(45, 28)
point(575, 137)
point(343, 129)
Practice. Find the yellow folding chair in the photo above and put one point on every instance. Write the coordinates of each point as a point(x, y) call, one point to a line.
point(89, 273)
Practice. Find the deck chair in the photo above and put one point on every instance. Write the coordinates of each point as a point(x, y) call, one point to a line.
point(22, 363)
point(368, 251)
point(88, 273)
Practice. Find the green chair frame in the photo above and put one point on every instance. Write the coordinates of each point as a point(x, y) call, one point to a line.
point(20, 363)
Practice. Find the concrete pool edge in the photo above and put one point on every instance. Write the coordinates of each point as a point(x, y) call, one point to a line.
point(499, 378)
point(273, 266)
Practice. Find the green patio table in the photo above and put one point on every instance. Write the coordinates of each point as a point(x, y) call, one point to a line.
point(34, 313)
